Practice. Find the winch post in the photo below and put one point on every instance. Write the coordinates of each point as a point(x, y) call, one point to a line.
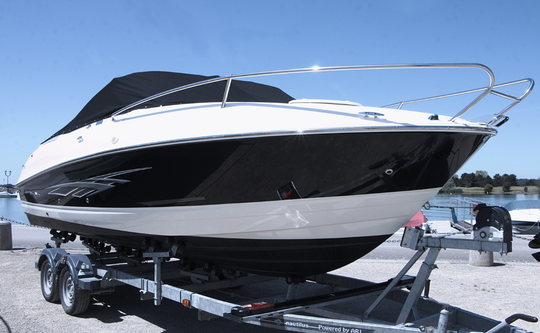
point(414, 238)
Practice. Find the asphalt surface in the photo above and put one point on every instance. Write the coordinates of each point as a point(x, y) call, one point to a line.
point(510, 286)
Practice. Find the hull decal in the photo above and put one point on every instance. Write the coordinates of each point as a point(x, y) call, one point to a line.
point(91, 186)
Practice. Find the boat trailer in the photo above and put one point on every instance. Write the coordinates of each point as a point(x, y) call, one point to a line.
point(319, 303)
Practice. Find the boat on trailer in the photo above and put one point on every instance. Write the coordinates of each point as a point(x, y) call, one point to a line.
point(239, 175)
point(525, 215)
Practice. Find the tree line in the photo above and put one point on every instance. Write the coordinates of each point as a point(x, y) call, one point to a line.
point(483, 180)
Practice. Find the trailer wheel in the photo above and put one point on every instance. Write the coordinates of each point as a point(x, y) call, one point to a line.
point(74, 300)
point(49, 283)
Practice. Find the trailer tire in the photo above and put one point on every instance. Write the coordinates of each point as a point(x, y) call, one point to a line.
point(74, 300)
point(49, 283)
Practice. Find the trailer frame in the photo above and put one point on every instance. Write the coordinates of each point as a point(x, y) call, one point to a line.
point(311, 311)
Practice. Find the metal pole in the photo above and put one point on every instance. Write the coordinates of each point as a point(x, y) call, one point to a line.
point(423, 274)
point(157, 280)
point(7, 175)
point(443, 321)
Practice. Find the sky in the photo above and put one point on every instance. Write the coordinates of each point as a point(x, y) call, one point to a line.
point(56, 55)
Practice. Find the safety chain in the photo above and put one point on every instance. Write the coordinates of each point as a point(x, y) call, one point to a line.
point(521, 237)
point(21, 223)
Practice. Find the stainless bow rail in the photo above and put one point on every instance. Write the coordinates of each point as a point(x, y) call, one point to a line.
point(484, 91)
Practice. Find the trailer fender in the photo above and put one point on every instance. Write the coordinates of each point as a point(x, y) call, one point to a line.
point(79, 266)
point(54, 256)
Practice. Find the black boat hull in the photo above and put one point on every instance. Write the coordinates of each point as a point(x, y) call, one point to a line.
point(255, 169)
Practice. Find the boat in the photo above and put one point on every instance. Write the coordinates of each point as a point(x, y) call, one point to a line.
point(525, 216)
point(230, 173)
point(7, 194)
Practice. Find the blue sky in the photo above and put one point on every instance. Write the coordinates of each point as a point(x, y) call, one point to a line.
point(56, 55)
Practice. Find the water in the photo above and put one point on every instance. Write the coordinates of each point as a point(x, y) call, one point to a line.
point(10, 208)
point(447, 200)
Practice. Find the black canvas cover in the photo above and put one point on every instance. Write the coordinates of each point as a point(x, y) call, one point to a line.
point(123, 91)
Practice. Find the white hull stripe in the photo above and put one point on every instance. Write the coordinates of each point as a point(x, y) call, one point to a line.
point(316, 218)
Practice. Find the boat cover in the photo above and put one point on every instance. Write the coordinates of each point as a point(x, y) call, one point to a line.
point(131, 88)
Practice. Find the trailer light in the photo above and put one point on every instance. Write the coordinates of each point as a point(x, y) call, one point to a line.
point(186, 303)
point(256, 308)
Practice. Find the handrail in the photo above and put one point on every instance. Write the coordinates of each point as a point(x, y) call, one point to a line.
point(494, 92)
point(486, 90)
point(515, 99)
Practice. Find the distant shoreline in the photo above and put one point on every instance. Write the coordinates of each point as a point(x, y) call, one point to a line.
point(531, 190)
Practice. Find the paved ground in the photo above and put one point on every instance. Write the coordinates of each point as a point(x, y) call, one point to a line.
point(510, 286)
